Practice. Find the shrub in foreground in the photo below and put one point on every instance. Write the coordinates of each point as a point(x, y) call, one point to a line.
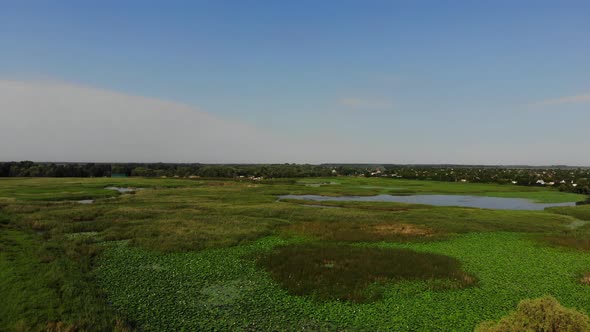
point(539, 315)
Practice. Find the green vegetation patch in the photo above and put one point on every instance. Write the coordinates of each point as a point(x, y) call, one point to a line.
point(224, 289)
point(581, 212)
point(418, 223)
point(341, 272)
point(577, 236)
point(73, 189)
point(44, 287)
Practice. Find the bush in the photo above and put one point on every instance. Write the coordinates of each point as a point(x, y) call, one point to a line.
point(542, 315)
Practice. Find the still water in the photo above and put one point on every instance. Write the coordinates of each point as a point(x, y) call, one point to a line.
point(483, 202)
point(123, 190)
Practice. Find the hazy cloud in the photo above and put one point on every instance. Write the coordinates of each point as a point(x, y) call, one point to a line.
point(364, 103)
point(61, 122)
point(583, 98)
point(52, 121)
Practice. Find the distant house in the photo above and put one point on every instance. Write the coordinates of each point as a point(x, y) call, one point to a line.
point(514, 182)
point(541, 182)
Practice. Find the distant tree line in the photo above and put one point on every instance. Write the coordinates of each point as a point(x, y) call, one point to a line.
point(576, 180)
point(32, 169)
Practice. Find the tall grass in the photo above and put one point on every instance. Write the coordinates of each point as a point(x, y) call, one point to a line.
point(341, 272)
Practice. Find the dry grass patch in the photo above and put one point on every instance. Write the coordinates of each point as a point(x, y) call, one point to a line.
point(399, 229)
point(350, 231)
point(571, 241)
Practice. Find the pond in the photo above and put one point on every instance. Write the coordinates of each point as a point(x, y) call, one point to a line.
point(123, 190)
point(86, 201)
point(483, 202)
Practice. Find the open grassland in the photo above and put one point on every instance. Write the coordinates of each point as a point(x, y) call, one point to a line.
point(212, 254)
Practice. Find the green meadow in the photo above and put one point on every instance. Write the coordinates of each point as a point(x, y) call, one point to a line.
point(200, 254)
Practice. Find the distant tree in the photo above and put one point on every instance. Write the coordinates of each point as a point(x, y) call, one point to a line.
point(142, 171)
point(14, 171)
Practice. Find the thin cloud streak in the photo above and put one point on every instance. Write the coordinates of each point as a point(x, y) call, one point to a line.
point(577, 99)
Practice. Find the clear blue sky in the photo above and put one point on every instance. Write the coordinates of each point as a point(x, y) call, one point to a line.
point(463, 81)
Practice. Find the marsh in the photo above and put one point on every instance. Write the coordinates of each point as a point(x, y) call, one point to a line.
point(482, 202)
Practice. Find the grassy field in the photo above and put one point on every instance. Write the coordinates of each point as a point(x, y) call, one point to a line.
point(226, 255)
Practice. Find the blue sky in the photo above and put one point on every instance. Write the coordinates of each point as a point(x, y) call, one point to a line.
point(429, 81)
